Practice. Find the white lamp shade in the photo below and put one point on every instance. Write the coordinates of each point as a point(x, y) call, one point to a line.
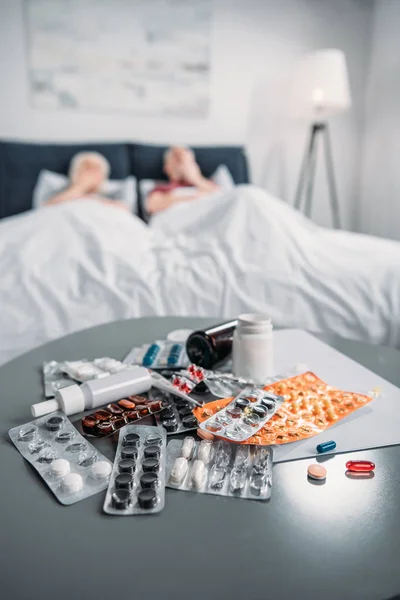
point(322, 87)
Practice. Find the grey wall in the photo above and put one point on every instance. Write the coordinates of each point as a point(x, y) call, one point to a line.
point(255, 43)
point(379, 199)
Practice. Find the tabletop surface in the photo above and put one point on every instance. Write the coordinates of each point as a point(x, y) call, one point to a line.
point(315, 542)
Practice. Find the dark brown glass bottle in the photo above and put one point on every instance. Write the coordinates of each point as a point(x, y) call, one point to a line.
point(212, 346)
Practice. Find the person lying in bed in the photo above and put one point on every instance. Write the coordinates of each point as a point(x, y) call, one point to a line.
point(186, 181)
point(88, 172)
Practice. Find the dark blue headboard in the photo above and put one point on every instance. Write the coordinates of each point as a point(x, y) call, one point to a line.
point(20, 165)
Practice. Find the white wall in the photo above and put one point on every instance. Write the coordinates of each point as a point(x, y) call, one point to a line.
point(379, 202)
point(254, 45)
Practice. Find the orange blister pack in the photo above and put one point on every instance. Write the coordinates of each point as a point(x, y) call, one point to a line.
point(310, 406)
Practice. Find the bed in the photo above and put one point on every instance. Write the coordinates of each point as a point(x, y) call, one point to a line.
point(83, 263)
point(21, 163)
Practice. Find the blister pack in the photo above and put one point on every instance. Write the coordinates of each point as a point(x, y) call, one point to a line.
point(219, 468)
point(176, 416)
point(244, 415)
point(159, 354)
point(114, 416)
point(71, 467)
point(54, 378)
point(137, 483)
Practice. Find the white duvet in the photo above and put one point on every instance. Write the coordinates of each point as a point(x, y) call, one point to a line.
point(69, 267)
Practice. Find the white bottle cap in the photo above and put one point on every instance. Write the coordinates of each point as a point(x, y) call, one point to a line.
point(179, 335)
point(71, 399)
point(44, 408)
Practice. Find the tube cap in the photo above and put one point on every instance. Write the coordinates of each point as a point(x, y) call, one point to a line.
point(71, 399)
point(44, 408)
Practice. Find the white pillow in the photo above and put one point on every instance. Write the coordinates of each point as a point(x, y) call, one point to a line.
point(221, 177)
point(49, 184)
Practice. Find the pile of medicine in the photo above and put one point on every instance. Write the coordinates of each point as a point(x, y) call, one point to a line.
point(231, 454)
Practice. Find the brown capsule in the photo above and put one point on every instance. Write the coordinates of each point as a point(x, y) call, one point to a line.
point(142, 410)
point(118, 422)
point(115, 409)
point(89, 423)
point(126, 404)
point(131, 415)
point(105, 427)
point(155, 406)
point(102, 415)
point(136, 399)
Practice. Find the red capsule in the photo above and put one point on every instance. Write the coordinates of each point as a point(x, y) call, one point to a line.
point(360, 466)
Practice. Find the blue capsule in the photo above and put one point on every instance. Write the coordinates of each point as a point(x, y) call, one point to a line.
point(151, 355)
point(326, 446)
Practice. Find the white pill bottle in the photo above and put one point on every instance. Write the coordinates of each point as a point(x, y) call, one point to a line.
point(252, 350)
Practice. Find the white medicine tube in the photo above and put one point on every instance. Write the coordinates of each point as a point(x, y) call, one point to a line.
point(97, 392)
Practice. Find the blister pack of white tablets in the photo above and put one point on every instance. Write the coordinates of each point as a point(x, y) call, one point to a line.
point(158, 354)
point(137, 483)
point(54, 378)
point(71, 467)
point(176, 415)
point(220, 468)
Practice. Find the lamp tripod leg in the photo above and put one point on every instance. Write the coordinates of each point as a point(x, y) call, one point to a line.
point(331, 180)
point(304, 173)
point(311, 173)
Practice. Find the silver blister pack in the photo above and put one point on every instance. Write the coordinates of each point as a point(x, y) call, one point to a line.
point(220, 468)
point(71, 467)
point(176, 416)
point(244, 416)
point(54, 378)
point(137, 483)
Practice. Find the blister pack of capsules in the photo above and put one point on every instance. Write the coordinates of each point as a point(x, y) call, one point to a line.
point(219, 468)
point(310, 406)
point(244, 415)
point(176, 415)
point(71, 467)
point(137, 483)
point(106, 421)
point(54, 378)
point(158, 354)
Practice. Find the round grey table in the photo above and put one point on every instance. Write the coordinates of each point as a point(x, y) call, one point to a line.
point(315, 542)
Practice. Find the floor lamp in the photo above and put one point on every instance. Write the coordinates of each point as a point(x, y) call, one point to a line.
point(324, 84)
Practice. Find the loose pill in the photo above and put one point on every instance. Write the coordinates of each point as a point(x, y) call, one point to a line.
point(198, 474)
point(72, 483)
point(316, 472)
point(326, 446)
point(60, 467)
point(360, 466)
point(187, 447)
point(179, 470)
